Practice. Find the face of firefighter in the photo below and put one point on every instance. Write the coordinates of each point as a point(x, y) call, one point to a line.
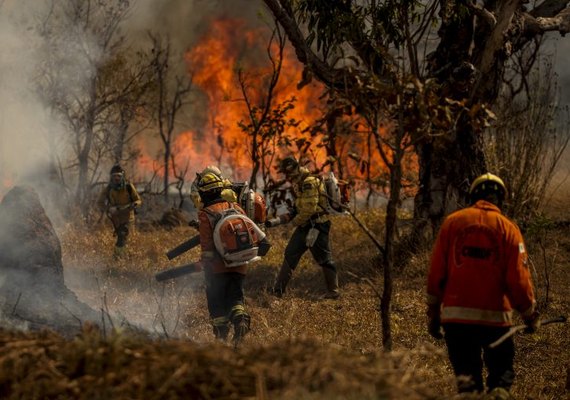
point(116, 179)
point(293, 174)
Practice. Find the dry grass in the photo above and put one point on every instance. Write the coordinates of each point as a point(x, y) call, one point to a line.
point(301, 346)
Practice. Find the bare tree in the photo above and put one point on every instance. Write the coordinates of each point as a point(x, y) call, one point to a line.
point(171, 95)
point(526, 144)
point(85, 78)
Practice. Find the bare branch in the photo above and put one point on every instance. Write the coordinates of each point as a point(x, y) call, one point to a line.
point(559, 23)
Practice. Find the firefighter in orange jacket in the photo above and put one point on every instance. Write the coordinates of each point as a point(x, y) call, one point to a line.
point(224, 286)
point(479, 273)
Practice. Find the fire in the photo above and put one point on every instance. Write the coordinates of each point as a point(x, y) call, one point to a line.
point(214, 63)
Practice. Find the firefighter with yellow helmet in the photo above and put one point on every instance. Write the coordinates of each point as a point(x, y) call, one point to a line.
point(119, 199)
point(479, 274)
point(224, 285)
point(227, 192)
point(312, 227)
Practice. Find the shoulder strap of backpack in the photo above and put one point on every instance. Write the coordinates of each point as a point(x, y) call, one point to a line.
point(215, 216)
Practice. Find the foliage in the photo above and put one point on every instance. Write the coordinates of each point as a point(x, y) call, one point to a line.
point(525, 146)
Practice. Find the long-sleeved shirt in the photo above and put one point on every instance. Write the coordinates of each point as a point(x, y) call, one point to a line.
point(112, 197)
point(479, 268)
point(310, 198)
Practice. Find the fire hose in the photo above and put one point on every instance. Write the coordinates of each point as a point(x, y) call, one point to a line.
point(522, 327)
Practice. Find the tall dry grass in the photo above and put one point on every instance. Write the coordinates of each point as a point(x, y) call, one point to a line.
point(301, 346)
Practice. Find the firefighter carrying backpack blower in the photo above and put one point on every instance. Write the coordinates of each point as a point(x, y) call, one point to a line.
point(312, 227)
point(229, 241)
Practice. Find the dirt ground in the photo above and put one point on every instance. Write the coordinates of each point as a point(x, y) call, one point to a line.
point(177, 309)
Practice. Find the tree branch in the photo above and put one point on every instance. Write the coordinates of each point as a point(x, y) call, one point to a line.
point(535, 26)
point(283, 13)
point(484, 14)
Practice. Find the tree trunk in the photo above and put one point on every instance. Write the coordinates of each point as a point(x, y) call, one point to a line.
point(166, 182)
point(255, 158)
point(446, 170)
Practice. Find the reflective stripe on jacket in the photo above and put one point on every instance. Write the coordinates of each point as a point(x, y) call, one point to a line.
point(210, 258)
point(479, 268)
point(310, 200)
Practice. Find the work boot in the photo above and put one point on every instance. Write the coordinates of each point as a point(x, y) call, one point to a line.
point(221, 328)
point(221, 332)
point(282, 280)
point(331, 280)
point(241, 327)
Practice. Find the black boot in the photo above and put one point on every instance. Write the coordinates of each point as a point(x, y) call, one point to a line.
point(331, 280)
point(282, 280)
point(241, 327)
point(221, 332)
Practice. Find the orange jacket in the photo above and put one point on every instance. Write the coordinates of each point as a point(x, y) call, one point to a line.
point(479, 268)
point(210, 257)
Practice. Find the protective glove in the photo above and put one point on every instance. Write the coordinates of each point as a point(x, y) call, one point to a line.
point(434, 321)
point(532, 322)
point(434, 328)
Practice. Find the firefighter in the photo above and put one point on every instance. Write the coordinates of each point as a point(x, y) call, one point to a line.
point(224, 286)
point(119, 199)
point(312, 227)
point(479, 273)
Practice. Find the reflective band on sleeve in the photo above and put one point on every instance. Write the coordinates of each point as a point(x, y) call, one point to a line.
point(476, 314)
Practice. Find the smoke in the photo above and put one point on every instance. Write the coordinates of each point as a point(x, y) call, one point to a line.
point(184, 20)
point(25, 122)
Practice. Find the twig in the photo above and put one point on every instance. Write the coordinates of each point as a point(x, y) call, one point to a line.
point(16, 304)
point(521, 327)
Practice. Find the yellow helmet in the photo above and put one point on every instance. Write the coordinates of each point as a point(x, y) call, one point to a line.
point(213, 170)
point(488, 183)
point(210, 181)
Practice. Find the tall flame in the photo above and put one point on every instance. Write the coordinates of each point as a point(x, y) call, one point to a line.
point(229, 45)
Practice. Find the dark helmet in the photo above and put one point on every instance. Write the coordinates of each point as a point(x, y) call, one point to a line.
point(117, 169)
point(288, 165)
point(485, 185)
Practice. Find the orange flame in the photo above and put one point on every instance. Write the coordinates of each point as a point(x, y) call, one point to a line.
point(214, 62)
